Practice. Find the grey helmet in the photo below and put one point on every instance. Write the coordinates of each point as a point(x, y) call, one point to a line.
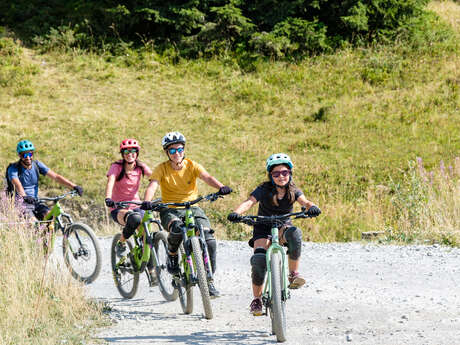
point(172, 138)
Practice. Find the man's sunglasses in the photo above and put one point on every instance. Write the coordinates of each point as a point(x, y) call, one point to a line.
point(283, 173)
point(126, 151)
point(173, 151)
point(27, 155)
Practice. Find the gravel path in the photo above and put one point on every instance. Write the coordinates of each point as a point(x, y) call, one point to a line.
point(356, 293)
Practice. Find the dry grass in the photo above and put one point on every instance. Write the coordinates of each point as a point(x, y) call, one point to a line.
point(39, 303)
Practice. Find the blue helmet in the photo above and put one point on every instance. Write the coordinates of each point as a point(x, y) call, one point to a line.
point(278, 158)
point(25, 145)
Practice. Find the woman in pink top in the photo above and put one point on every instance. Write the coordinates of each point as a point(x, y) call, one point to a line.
point(123, 181)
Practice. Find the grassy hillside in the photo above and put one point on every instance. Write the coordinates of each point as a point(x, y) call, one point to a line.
point(351, 121)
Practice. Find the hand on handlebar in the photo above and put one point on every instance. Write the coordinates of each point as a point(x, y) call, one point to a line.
point(109, 202)
point(313, 211)
point(224, 190)
point(79, 190)
point(234, 217)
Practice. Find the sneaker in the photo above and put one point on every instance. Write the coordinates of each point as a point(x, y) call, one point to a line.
point(120, 248)
point(213, 292)
point(153, 278)
point(295, 280)
point(256, 306)
point(173, 264)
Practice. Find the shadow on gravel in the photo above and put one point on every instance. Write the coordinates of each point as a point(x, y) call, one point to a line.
point(201, 338)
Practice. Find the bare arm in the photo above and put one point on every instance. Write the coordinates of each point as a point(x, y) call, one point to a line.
point(210, 180)
point(150, 191)
point(60, 179)
point(109, 186)
point(18, 186)
point(246, 205)
point(302, 200)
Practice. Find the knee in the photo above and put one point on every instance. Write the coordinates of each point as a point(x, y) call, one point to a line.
point(259, 266)
point(133, 220)
point(175, 234)
point(293, 237)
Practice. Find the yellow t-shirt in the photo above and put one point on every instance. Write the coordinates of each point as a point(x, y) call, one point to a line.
point(177, 185)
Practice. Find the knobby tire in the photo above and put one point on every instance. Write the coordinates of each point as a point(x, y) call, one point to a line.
point(126, 278)
point(81, 251)
point(164, 278)
point(201, 274)
point(185, 291)
point(277, 305)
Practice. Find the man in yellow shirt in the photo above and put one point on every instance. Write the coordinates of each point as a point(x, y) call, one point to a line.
point(177, 179)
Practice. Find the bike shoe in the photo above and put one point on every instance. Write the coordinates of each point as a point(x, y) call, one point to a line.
point(213, 292)
point(120, 249)
point(256, 307)
point(173, 264)
point(153, 278)
point(295, 280)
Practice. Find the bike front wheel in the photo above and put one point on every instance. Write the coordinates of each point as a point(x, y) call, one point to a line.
point(126, 278)
point(277, 304)
point(164, 278)
point(81, 252)
point(201, 274)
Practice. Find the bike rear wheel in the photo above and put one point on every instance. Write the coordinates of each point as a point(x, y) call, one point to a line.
point(126, 278)
point(164, 278)
point(201, 274)
point(82, 255)
point(184, 288)
point(277, 305)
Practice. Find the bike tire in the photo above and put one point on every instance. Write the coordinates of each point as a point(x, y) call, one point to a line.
point(184, 289)
point(277, 305)
point(164, 278)
point(125, 277)
point(201, 274)
point(81, 251)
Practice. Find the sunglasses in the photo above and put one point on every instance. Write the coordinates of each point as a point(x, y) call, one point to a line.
point(178, 150)
point(284, 173)
point(126, 151)
point(27, 155)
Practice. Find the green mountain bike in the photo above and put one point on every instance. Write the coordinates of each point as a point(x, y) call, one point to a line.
point(275, 292)
point(147, 246)
point(79, 243)
point(194, 263)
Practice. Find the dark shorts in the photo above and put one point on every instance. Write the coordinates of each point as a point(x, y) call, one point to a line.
point(114, 213)
point(264, 232)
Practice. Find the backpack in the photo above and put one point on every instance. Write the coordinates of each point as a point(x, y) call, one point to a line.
point(9, 185)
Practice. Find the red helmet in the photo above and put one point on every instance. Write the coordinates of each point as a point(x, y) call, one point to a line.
point(128, 144)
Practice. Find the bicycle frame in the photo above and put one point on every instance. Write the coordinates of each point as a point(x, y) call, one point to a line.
point(276, 247)
point(144, 231)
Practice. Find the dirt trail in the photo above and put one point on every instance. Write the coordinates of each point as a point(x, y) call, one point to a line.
point(356, 293)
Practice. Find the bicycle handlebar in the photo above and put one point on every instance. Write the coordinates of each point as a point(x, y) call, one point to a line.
point(125, 204)
point(210, 197)
point(57, 198)
point(272, 220)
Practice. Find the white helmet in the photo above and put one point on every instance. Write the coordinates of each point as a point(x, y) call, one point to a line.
point(172, 138)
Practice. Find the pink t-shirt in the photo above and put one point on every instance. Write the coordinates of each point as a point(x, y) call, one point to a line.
point(127, 188)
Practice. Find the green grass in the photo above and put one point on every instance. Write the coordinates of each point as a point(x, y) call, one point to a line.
point(351, 121)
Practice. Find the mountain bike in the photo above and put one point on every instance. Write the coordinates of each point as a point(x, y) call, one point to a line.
point(275, 292)
point(80, 246)
point(149, 247)
point(195, 266)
